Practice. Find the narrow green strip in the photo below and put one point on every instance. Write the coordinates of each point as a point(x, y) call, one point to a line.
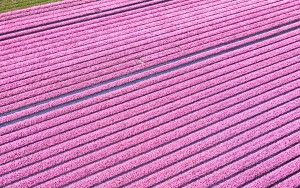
point(8, 5)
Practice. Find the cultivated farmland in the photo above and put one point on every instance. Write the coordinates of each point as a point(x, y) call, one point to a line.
point(150, 93)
